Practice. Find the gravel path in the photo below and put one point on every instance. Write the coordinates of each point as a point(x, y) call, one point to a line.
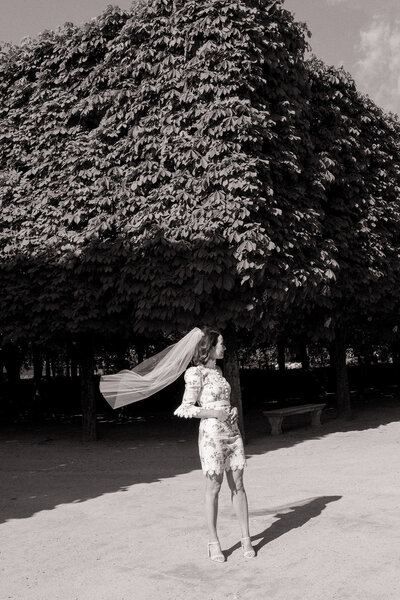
point(122, 518)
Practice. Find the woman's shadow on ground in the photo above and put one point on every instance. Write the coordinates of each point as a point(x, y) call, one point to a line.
point(289, 517)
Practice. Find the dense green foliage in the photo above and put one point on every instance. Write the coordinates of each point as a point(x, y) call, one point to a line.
point(182, 163)
point(359, 144)
point(154, 170)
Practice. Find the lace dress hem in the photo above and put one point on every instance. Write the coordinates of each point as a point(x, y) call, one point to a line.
point(221, 469)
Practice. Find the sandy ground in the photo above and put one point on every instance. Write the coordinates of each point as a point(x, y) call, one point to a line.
point(122, 518)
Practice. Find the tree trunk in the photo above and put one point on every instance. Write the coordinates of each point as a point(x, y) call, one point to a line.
point(231, 372)
point(74, 368)
point(73, 355)
point(342, 381)
point(332, 356)
point(60, 368)
point(121, 359)
point(395, 349)
point(48, 372)
point(361, 375)
point(305, 359)
point(281, 355)
point(139, 347)
point(88, 397)
point(37, 365)
point(12, 361)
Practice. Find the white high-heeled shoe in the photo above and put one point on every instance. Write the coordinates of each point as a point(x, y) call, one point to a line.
point(247, 553)
point(218, 557)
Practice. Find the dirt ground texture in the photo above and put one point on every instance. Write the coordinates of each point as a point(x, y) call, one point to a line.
point(122, 518)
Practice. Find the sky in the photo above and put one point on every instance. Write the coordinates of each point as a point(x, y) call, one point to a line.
point(363, 36)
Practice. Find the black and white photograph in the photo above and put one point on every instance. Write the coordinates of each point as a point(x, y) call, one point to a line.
point(199, 299)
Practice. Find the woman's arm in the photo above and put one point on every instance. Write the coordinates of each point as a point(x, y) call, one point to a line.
point(193, 386)
point(188, 408)
point(213, 413)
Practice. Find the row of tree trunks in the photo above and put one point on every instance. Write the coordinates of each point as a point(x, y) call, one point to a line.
point(337, 353)
point(231, 369)
point(303, 355)
point(13, 361)
point(89, 383)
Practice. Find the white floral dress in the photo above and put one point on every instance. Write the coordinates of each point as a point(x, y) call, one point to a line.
point(220, 444)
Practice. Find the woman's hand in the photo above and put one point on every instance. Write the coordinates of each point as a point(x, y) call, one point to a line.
point(227, 415)
point(234, 415)
point(222, 415)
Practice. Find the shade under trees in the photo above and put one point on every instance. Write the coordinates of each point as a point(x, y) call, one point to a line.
point(181, 163)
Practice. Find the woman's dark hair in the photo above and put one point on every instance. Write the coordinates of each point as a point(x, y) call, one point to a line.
point(205, 345)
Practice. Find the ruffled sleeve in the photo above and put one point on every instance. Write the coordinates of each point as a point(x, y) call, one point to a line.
point(193, 385)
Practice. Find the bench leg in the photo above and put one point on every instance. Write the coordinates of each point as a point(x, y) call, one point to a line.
point(316, 418)
point(276, 425)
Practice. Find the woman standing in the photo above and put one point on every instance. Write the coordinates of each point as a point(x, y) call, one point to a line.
point(220, 442)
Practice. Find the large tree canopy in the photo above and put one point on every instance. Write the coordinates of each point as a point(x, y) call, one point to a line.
point(358, 144)
point(157, 168)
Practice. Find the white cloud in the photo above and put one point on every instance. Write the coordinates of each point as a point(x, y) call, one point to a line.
point(377, 71)
point(367, 7)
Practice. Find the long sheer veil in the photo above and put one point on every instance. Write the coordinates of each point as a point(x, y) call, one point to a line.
point(151, 375)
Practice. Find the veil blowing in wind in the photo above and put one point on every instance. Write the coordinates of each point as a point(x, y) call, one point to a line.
point(151, 375)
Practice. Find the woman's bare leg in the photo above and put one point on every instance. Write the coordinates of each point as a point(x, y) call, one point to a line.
point(213, 485)
point(239, 501)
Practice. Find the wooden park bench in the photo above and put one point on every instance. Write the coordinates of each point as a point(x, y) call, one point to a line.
point(277, 415)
